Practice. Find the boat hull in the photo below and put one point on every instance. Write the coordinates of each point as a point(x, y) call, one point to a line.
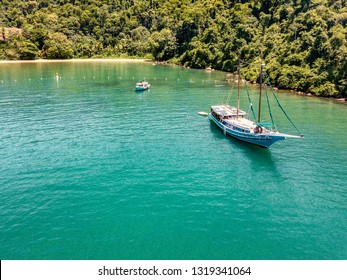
point(263, 140)
point(140, 89)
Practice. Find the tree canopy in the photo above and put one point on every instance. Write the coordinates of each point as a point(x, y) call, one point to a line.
point(303, 42)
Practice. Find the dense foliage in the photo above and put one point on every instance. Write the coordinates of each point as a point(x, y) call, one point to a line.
point(303, 42)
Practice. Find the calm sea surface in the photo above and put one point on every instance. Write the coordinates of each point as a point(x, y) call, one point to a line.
point(91, 170)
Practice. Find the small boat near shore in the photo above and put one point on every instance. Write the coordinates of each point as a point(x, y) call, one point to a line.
point(142, 85)
point(235, 122)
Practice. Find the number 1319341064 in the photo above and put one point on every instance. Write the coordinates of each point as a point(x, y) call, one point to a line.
point(221, 270)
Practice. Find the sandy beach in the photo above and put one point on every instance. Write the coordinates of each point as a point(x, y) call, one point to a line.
point(77, 60)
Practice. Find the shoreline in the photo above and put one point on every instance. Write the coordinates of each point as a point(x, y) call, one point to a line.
point(77, 60)
point(342, 100)
point(140, 60)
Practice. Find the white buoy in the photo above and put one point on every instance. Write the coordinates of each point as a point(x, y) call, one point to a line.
point(203, 113)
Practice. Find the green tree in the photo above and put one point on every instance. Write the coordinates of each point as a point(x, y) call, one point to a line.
point(58, 46)
point(163, 44)
point(305, 42)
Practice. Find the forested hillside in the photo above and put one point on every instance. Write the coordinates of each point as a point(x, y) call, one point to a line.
point(302, 42)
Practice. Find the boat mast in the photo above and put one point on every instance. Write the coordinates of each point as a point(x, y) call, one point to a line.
point(238, 89)
point(261, 82)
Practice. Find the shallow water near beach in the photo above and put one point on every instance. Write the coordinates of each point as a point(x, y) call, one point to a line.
point(90, 169)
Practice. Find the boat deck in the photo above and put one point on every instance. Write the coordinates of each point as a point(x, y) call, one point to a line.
point(246, 123)
point(227, 111)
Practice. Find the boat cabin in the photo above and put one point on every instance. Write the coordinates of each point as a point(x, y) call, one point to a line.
point(142, 85)
point(229, 117)
point(221, 112)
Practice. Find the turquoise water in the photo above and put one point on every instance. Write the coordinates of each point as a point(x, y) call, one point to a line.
point(91, 170)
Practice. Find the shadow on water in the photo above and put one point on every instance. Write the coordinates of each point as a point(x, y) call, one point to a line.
point(257, 154)
point(141, 92)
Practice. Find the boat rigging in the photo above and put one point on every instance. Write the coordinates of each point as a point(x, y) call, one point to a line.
point(235, 122)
